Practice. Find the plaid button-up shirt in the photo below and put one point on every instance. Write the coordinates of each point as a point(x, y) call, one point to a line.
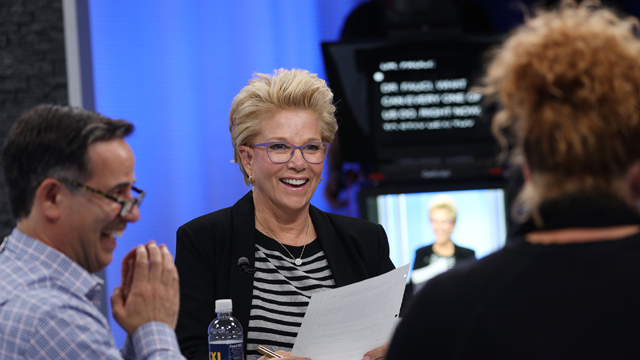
point(49, 310)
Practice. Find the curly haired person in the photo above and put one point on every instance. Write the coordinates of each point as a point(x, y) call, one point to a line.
point(566, 284)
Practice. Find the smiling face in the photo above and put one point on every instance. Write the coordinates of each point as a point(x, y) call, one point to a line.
point(442, 223)
point(286, 187)
point(93, 221)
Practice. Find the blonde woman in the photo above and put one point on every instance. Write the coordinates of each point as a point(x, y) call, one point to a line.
point(281, 128)
point(443, 254)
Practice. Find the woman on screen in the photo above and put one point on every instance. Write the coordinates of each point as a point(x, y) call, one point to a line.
point(272, 250)
point(443, 254)
point(566, 284)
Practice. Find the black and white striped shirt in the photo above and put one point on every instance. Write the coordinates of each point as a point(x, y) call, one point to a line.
point(281, 292)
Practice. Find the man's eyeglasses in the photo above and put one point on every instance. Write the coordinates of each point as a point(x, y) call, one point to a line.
point(127, 204)
point(281, 152)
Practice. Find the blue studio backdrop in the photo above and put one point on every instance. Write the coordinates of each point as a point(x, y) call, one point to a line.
point(172, 68)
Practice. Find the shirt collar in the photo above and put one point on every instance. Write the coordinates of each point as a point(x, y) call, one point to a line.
point(581, 211)
point(70, 274)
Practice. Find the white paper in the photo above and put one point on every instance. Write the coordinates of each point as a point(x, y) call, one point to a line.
point(347, 322)
point(425, 273)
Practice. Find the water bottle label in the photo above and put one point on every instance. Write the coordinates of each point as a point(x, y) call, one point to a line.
point(225, 351)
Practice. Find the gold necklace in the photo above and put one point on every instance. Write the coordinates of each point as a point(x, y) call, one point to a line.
point(297, 261)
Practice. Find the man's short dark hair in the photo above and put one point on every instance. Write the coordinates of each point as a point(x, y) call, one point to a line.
point(51, 141)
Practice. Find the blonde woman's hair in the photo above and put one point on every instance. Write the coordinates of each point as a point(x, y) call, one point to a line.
point(265, 95)
point(568, 82)
point(445, 202)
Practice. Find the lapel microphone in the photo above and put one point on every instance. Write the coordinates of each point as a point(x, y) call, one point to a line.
point(243, 263)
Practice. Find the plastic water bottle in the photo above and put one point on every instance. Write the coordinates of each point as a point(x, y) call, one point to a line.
point(225, 334)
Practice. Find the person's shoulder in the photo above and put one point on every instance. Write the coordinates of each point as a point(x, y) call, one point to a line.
point(32, 297)
point(424, 250)
point(42, 298)
point(463, 252)
point(358, 230)
point(222, 217)
point(52, 291)
point(477, 276)
point(348, 222)
point(201, 230)
point(16, 276)
point(218, 216)
point(448, 304)
point(37, 314)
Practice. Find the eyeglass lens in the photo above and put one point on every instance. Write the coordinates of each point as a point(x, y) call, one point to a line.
point(313, 152)
point(129, 203)
point(126, 207)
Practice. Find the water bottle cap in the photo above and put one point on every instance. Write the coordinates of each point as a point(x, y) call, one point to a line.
point(223, 305)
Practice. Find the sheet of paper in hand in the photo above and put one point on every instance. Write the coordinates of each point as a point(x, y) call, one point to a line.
point(347, 322)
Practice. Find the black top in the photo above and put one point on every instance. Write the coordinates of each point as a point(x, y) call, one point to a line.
point(208, 249)
point(527, 301)
point(423, 255)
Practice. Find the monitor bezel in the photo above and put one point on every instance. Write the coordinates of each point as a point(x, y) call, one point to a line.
point(436, 186)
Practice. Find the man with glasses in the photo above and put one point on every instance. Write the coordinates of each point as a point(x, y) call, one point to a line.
point(70, 177)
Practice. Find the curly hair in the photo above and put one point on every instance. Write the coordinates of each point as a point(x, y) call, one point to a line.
point(568, 83)
point(266, 95)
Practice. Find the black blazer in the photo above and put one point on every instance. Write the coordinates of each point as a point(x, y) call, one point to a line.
point(208, 249)
point(423, 255)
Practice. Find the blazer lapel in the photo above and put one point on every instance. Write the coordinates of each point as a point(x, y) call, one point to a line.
point(342, 266)
point(243, 244)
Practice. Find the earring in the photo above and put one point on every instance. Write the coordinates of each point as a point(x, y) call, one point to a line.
point(321, 178)
point(251, 179)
